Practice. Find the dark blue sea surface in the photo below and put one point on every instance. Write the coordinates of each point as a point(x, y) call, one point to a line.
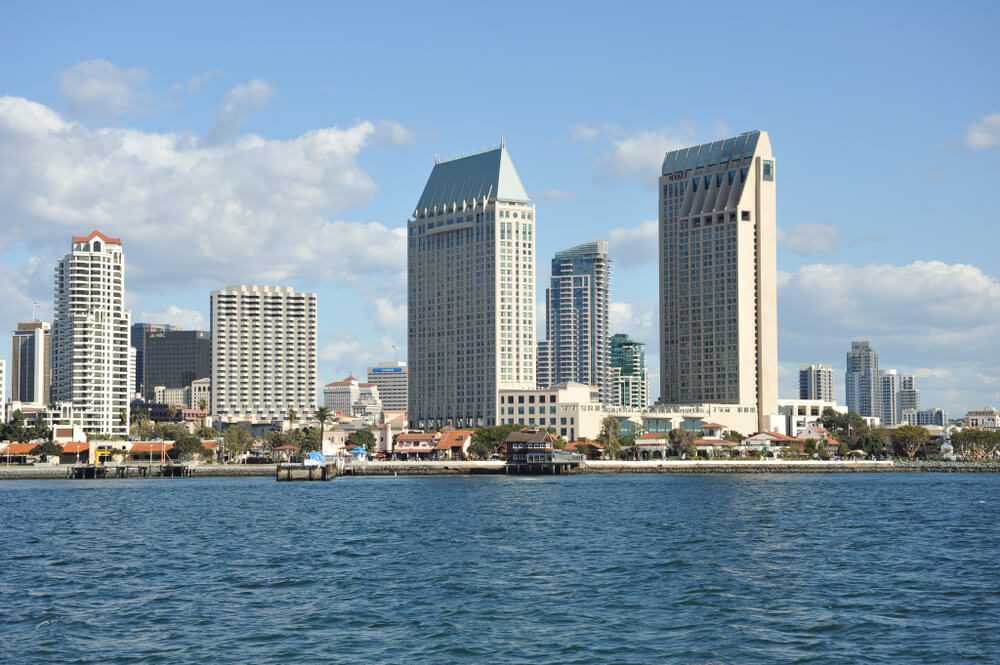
point(866, 568)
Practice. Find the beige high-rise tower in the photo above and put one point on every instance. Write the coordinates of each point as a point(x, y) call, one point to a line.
point(718, 275)
point(471, 284)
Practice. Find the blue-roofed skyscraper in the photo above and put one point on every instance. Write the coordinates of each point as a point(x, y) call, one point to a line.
point(471, 291)
point(577, 344)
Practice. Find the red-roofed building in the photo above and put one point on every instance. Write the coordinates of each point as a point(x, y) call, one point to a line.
point(97, 234)
point(415, 446)
point(454, 444)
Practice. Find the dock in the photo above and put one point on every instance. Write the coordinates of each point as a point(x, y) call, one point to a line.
point(102, 471)
point(297, 471)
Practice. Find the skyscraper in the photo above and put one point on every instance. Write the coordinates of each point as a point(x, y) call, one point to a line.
point(471, 283)
point(264, 353)
point(718, 275)
point(139, 333)
point(176, 358)
point(861, 381)
point(577, 344)
point(897, 394)
point(629, 374)
point(816, 382)
point(31, 362)
point(90, 335)
point(391, 378)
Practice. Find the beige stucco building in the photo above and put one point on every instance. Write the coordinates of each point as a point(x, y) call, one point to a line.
point(718, 275)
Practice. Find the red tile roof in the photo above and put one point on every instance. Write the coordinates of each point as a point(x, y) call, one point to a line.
point(713, 426)
point(20, 448)
point(417, 436)
point(76, 447)
point(651, 435)
point(454, 439)
point(151, 447)
point(97, 234)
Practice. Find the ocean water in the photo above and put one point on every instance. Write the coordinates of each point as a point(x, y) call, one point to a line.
point(866, 568)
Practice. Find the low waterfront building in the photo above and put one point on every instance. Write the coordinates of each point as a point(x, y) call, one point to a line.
point(454, 444)
point(572, 410)
point(415, 446)
point(800, 413)
point(985, 418)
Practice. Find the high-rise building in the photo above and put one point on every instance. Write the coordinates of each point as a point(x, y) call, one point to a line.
point(718, 275)
point(138, 334)
point(3, 390)
point(897, 394)
point(264, 353)
point(816, 382)
point(91, 362)
point(861, 381)
point(31, 362)
point(391, 379)
point(576, 322)
point(471, 284)
point(175, 359)
point(352, 398)
point(629, 374)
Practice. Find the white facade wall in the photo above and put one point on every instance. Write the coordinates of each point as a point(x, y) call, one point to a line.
point(90, 335)
point(264, 353)
point(816, 382)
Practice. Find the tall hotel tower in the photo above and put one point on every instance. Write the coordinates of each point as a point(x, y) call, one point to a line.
point(861, 381)
point(718, 275)
point(31, 362)
point(91, 363)
point(471, 267)
point(264, 353)
point(578, 343)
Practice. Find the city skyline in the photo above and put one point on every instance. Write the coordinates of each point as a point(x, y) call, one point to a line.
point(883, 262)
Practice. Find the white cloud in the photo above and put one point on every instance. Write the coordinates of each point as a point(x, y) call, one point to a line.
point(640, 155)
point(983, 133)
point(195, 83)
point(388, 314)
point(931, 372)
point(554, 196)
point(806, 239)
point(584, 133)
point(335, 351)
point(637, 320)
point(188, 319)
point(634, 246)
point(392, 133)
point(189, 214)
point(97, 89)
point(239, 102)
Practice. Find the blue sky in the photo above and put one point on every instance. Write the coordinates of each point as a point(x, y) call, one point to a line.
point(203, 135)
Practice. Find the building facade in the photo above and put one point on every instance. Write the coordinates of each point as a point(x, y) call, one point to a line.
point(264, 353)
point(629, 373)
point(392, 380)
point(718, 274)
point(471, 291)
point(816, 382)
point(138, 335)
point(577, 345)
point(897, 394)
point(31, 362)
point(175, 359)
point(861, 381)
point(91, 360)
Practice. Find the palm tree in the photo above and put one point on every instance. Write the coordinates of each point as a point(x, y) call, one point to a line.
point(322, 415)
point(293, 415)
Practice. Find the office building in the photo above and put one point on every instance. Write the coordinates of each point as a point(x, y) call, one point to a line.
point(3, 390)
point(31, 362)
point(816, 382)
point(354, 399)
point(897, 394)
point(175, 359)
point(925, 417)
point(391, 378)
point(718, 275)
point(471, 285)
point(264, 354)
point(91, 361)
point(861, 381)
point(577, 344)
point(138, 335)
point(629, 372)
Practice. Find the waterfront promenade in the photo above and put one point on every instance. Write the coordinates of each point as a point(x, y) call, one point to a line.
point(496, 467)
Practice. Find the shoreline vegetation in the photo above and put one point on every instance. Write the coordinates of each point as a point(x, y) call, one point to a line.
point(440, 468)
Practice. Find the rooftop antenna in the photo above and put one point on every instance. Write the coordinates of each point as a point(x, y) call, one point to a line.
point(503, 143)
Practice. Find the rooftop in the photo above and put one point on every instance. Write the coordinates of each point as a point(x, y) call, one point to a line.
point(709, 154)
point(488, 175)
